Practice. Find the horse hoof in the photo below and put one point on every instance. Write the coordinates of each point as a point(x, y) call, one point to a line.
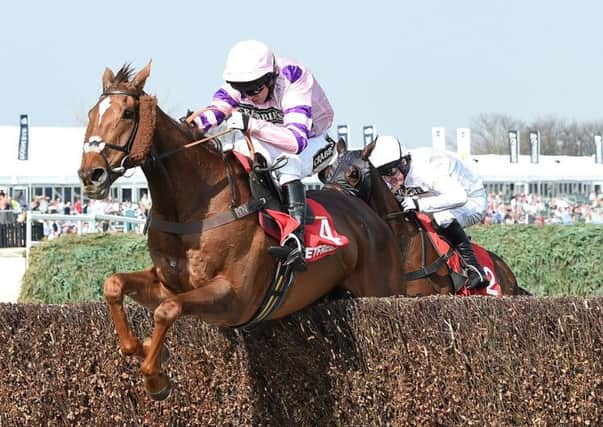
point(165, 392)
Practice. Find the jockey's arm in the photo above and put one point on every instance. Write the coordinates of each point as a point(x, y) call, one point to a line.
point(224, 101)
point(450, 194)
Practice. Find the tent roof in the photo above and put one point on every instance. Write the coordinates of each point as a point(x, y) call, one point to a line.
point(55, 153)
point(54, 156)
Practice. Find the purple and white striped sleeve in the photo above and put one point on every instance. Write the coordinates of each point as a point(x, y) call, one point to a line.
point(223, 102)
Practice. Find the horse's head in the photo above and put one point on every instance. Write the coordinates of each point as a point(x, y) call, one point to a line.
point(351, 171)
point(120, 130)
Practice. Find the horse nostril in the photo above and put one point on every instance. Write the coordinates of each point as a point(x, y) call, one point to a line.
point(97, 174)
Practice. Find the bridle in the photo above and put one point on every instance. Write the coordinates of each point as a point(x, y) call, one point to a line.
point(98, 145)
point(362, 189)
point(235, 212)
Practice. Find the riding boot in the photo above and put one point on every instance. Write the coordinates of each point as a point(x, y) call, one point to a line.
point(296, 204)
point(476, 277)
point(293, 251)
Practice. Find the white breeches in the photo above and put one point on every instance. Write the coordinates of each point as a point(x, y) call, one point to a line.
point(296, 166)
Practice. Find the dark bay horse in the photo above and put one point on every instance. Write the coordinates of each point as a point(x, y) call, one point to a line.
point(219, 273)
point(425, 271)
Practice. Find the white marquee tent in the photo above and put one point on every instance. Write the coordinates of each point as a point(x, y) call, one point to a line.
point(55, 152)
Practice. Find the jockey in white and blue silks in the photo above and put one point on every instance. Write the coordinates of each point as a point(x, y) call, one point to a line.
point(284, 109)
point(456, 197)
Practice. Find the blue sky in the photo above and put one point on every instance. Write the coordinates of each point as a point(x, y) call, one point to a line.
point(403, 66)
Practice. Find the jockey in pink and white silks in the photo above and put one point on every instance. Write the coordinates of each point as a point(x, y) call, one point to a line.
point(287, 114)
point(456, 197)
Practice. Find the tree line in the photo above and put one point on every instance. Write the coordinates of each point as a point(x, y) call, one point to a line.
point(558, 136)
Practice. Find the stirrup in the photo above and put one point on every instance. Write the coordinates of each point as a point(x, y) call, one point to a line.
point(482, 281)
point(297, 255)
point(291, 253)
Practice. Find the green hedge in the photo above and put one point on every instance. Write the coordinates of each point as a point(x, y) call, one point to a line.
point(73, 268)
point(549, 260)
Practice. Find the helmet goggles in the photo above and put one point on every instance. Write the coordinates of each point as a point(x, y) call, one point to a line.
point(389, 169)
point(254, 87)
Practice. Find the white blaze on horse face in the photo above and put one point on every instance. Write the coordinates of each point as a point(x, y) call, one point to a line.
point(102, 108)
point(94, 145)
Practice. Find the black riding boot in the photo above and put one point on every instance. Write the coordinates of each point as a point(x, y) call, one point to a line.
point(476, 278)
point(295, 196)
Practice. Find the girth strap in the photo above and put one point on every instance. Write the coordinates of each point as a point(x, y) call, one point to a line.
point(430, 269)
point(214, 221)
point(282, 281)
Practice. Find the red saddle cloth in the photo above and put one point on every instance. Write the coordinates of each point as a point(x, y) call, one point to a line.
point(454, 262)
point(320, 236)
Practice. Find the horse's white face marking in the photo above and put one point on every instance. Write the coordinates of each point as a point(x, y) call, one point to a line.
point(102, 108)
point(94, 145)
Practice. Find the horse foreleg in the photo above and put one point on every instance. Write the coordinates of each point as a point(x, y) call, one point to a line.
point(214, 302)
point(143, 287)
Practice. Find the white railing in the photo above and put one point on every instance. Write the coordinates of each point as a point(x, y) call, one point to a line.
point(80, 220)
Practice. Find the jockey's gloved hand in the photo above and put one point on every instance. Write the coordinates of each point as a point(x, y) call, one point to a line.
point(185, 117)
point(238, 120)
point(409, 204)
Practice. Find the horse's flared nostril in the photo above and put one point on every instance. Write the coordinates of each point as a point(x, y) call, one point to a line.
point(98, 175)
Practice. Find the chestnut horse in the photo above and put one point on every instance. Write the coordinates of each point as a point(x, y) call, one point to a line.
point(425, 271)
point(218, 272)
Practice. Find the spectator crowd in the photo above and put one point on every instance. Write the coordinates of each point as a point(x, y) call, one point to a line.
point(54, 228)
point(516, 209)
point(534, 209)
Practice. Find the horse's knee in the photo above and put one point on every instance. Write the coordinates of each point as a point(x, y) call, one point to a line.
point(113, 289)
point(167, 312)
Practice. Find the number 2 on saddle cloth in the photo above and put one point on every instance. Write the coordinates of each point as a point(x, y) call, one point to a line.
point(454, 262)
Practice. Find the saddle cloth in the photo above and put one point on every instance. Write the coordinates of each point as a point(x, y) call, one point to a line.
point(321, 238)
point(454, 262)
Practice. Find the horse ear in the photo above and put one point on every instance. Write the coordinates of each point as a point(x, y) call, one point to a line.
point(107, 78)
point(141, 77)
point(368, 150)
point(341, 146)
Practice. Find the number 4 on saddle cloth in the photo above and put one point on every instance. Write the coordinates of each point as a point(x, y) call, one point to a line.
point(321, 238)
point(454, 262)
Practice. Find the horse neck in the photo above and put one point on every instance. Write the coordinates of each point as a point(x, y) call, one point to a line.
point(383, 201)
point(188, 184)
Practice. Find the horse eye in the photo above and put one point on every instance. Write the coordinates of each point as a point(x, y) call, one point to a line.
point(325, 175)
point(353, 173)
point(128, 115)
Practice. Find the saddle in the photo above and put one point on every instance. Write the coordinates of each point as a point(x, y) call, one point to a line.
point(321, 238)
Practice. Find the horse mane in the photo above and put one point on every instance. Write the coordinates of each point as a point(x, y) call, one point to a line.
point(148, 111)
point(123, 75)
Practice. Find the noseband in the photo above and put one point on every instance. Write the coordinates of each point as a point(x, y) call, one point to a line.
point(362, 189)
point(98, 145)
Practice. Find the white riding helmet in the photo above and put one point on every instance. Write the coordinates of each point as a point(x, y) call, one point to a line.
point(248, 61)
point(387, 150)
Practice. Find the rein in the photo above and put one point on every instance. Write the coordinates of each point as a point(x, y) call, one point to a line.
point(99, 145)
point(425, 270)
point(192, 144)
point(235, 212)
